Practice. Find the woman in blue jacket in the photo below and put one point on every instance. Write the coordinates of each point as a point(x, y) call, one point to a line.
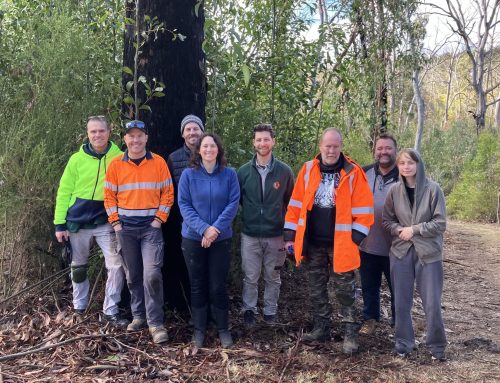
point(208, 198)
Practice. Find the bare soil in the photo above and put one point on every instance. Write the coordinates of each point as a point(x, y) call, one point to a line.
point(94, 352)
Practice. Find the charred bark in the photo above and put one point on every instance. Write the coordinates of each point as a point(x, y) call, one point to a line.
point(180, 64)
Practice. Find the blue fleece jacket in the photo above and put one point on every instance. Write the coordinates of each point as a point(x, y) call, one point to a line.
point(208, 200)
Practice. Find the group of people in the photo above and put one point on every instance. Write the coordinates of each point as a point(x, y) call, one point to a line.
point(335, 218)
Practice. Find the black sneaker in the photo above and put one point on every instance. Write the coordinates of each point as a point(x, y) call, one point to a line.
point(116, 320)
point(249, 318)
point(270, 319)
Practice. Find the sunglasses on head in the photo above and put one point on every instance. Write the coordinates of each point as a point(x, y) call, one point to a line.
point(96, 118)
point(135, 124)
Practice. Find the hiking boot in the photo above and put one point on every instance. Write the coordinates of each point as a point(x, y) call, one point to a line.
point(159, 334)
point(270, 319)
point(249, 319)
point(368, 327)
point(115, 320)
point(137, 324)
point(319, 333)
point(198, 338)
point(350, 345)
point(226, 340)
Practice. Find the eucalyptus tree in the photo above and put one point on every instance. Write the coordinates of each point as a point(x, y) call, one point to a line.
point(476, 23)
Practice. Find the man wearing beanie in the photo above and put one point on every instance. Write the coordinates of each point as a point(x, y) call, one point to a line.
point(191, 130)
point(175, 271)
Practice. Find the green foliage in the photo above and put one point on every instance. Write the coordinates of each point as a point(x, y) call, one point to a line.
point(475, 196)
point(57, 71)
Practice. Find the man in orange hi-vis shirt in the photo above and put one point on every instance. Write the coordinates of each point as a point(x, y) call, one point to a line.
point(329, 214)
point(138, 194)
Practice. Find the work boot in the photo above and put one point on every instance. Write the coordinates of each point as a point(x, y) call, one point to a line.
point(368, 327)
point(270, 319)
point(350, 345)
point(319, 333)
point(137, 324)
point(159, 334)
point(199, 318)
point(115, 320)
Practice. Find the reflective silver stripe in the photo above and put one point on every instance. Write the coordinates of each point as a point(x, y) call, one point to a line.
point(111, 210)
point(137, 212)
point(295, 203)
point(167, 182)
point(301, 222)
point(110, 186)
point(164, 208)
point(362, 210)
point(139, 186)
point(351, 179)
point(360, 228)
point(309, 165)
point(290, 226)
point(343, 227)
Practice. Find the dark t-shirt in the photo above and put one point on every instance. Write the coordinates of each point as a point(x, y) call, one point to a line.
point(411, 194)
point(321, 221)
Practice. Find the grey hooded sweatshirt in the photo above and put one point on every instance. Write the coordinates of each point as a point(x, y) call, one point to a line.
point(427, 217)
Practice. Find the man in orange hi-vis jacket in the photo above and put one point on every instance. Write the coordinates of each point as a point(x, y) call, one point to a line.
point(329, 214)
point(138, 194)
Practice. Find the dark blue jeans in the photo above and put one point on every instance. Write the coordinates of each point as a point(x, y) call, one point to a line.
point(371, 270)
point(208, 269)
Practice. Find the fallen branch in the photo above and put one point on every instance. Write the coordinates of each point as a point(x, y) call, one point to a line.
point(291, 355)
point(48, 347)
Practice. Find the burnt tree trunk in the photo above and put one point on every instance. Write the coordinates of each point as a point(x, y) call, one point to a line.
point(180, 65)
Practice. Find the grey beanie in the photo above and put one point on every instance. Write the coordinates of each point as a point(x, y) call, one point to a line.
point(191, 118)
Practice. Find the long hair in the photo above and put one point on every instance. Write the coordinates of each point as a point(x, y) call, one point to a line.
point(410, 153)
point(195, 160)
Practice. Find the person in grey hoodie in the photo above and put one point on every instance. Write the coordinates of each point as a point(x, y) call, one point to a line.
point(415, 216)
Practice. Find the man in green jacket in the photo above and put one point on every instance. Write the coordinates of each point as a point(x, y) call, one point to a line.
point(80, 217)
point(266, 185)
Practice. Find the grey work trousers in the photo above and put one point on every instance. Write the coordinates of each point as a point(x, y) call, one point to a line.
point(142, 252)
point(81, 243)
point(429, 282)
point(255, 252)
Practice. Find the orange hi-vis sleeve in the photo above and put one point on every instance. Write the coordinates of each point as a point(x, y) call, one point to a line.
point(135, 194)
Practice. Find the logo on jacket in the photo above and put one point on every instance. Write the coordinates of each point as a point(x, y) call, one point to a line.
point(276, 185)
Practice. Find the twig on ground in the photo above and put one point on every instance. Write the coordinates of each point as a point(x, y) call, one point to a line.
point(48, 347)
point(455, 262)
point(291, 355)
point(104, 367)
point(56, 302)
point(199, 365)
point(95, 286)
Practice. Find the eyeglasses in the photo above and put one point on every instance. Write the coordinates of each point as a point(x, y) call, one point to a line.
point(135, 124)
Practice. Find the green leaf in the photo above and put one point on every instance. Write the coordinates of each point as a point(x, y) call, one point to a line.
point(158, 89)
point(145, 107)
point(181, 36)
point(142, 79)
point(129, 85)
point(246, 73)
point(158, 94)
point(126, 69)
point(128, 100)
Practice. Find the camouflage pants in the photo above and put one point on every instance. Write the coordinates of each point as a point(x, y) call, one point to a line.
point(319, 267)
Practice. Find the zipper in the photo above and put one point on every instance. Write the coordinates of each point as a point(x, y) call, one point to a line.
point(97, 179)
